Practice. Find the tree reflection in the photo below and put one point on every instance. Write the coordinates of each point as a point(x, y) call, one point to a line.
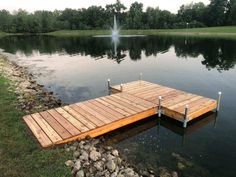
point(216, 53)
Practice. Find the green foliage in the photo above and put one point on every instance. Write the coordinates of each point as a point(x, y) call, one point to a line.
point(217, 13)
point(20, 154)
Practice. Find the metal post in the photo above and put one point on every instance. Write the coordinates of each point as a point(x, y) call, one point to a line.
point(218, 102)
point(140, 76)
point(159, 106)
point(185, 116)
point(108, 84)
point(121, 87)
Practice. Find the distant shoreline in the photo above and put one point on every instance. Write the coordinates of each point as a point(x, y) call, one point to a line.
point(210, 32)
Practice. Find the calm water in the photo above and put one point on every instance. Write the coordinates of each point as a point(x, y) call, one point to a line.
point(77, 69)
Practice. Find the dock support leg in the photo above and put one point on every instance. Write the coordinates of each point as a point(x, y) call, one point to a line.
point(140, 78)
point(218, 102)
point(159, 106)
point(108, 84)
point(185, 116)
point(121, 87)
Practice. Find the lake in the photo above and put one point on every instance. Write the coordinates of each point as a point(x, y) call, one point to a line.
point(77, 69)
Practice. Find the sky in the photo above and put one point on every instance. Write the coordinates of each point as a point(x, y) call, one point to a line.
point(32, 5)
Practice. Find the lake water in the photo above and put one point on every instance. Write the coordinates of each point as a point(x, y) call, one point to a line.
point(77, 68)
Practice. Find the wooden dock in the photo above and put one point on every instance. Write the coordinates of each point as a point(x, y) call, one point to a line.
point(129, 103)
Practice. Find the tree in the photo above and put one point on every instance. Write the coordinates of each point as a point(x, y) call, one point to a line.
point(216, 14)
point(134, 18)
point(231, 12)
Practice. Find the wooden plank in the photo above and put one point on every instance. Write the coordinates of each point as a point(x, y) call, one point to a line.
point(63, 121)
point(114, 125)
point(118, 105)
point(202, 110)
point(74, 120)
point(121, 111)
point(145, 90)
point(137, 100)
point(48, 130)
point(37, 131)
point(119, 101)
point(178, 100)
point(107, 109)
point(96, 114)
point(100, 111)
point(55, 125)
point(138, 105)
point(191, 103)
point(87, 115)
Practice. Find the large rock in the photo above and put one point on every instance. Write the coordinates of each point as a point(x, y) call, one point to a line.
point(115, 153)
point(94, 155)
point(76, 154)
point(98, 165)
point(80, 173)
point(69, 163)
point(77, 165)
point(84, 156)
point(111, 166)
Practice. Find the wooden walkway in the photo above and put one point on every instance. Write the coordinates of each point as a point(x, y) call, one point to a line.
point(138, 100)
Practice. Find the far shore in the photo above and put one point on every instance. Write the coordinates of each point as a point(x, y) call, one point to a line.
point(211, 32)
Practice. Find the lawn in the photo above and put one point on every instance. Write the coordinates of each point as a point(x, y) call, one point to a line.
point(226, 31)
point(20, 154)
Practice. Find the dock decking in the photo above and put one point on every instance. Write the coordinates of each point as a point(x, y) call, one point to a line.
point(129, 103)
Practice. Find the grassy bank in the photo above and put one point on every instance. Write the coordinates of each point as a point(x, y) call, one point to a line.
point(20, 156)
point(226, 31)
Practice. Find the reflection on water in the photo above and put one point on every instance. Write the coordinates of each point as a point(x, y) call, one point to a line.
point(77, 68)
point(217, 53)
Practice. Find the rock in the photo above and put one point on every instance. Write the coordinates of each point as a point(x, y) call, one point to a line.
point(115, 153)
point(87, 146)
point(128, 172)
point(69, 163)
point(84, 156)
point(181, 166)
point(98, 165)
point(77, 165)
point(111, 166)
point(94, 155)
point(110, 157)
point(80, 173)
point(76, 154)
point(72, 148)
point(164, 172)
point(174, 174)
point(108, 148)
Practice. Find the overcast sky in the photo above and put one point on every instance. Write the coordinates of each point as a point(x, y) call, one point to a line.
point(32, 5)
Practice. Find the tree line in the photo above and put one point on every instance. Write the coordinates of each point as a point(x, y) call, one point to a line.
point(217, 13)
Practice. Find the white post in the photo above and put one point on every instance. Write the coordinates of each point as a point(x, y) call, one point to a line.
point(185, 116)
point(140, 76)
point(159, 106)
point(121, 87)
point(108, 84)
point(218, 101)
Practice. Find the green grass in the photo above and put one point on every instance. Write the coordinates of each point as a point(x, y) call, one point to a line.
point(20, 155)
point(226, 31)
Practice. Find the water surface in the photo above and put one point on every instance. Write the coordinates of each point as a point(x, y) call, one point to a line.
point(77, 68)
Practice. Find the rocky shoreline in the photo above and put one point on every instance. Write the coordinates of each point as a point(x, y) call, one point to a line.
point(91, 157)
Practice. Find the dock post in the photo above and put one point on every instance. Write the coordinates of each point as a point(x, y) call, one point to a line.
point(218, 102)
point(159, 106)
point(108, 84)
point(185, 116)
point(121, 87)
point(140, 78)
